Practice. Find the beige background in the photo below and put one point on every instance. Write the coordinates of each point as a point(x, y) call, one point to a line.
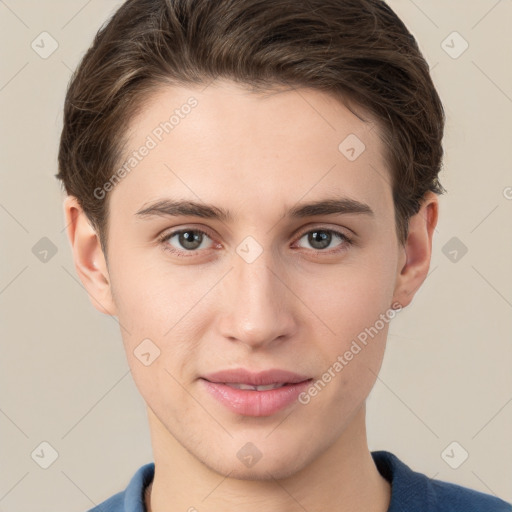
point(64, 377)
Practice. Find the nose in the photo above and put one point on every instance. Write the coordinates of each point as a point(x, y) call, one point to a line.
point(258, 306)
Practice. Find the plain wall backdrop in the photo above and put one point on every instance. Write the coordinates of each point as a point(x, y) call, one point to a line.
point(446, 376)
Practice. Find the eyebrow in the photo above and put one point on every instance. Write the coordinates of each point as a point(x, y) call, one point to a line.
point(328, 206)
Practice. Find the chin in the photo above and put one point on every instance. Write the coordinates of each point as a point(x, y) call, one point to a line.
point(257, 473)
point(276, 467)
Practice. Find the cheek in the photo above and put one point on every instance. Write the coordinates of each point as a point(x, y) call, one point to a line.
point(152, 296)
point(348, 298)
point(353, 303)
point(164, 307)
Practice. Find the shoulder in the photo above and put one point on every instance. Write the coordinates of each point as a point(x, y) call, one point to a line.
point(413, 491)
point(456, 497)
point(132, 498)
point(113, 504)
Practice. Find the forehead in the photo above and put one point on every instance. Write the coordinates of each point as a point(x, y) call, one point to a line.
point(227, 145)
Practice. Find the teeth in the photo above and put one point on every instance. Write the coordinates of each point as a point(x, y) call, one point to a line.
point(236, 385)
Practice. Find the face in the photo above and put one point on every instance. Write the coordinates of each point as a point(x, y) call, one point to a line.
point(272, 285)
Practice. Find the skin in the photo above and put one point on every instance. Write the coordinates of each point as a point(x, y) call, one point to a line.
point(294, 307)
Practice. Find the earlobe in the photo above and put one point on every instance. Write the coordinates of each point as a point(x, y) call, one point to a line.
point(413, 267)
point(88, 257)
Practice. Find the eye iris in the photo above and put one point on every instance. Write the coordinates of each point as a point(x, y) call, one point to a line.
point(189, 239)
point(321, 237)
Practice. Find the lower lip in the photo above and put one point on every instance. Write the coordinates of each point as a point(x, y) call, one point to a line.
point(256, 403)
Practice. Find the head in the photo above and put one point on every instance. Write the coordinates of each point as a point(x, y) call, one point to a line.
point(255, 108)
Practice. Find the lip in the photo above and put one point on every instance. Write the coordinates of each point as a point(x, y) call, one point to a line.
point(252, 402)
point(243, 376)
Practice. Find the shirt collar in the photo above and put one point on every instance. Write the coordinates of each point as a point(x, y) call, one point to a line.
point(409, 490)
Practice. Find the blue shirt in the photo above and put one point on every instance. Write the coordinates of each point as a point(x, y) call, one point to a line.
point(410, 491)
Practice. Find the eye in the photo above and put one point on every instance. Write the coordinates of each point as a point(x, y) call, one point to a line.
point(185, 240)
point(321, 238)
point(188, 240)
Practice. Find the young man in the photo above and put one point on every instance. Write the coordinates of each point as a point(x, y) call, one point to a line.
point(252, 188)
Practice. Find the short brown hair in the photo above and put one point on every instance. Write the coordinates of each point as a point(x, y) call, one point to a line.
point(357, 50)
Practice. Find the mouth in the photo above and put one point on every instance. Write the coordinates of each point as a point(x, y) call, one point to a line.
point(241, 378)
point(238, 385)
point(249, 399)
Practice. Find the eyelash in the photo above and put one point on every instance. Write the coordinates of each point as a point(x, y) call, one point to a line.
point(163, 239)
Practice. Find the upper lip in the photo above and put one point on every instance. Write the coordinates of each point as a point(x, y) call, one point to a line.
point(243, 376)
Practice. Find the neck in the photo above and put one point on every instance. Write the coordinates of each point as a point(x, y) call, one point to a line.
point(342, 478)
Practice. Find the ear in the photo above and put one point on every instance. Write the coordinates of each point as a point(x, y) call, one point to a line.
point(414, 264)
point(88, 257)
